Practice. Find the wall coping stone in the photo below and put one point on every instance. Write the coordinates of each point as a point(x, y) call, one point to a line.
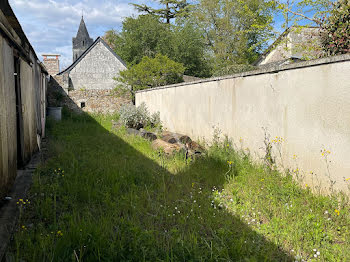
point(267, 69)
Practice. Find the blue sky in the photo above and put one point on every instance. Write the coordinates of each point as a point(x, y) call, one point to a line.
point(51, 24)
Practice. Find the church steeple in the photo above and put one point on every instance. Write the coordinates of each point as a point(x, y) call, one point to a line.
point(82, 41)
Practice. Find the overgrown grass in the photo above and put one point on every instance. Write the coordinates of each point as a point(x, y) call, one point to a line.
point(107, 196)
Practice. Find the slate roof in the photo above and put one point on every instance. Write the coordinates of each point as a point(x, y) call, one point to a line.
point(82, 35)
point(98, 40)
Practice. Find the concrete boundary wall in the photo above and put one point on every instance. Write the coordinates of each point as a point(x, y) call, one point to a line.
point(306, 104)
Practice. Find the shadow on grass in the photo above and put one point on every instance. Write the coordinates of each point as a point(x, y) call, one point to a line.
point(99, 199)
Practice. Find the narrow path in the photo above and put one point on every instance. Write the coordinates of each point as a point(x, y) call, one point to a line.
point(9, 211)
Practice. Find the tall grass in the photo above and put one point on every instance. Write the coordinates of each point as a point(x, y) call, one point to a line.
point(106, 196)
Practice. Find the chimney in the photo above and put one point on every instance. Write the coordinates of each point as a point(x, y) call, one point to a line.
point(52, 63)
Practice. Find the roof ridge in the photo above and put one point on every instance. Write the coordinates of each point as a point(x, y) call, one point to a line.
point(98, 39)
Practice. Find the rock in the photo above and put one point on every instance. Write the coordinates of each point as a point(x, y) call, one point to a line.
point(169, 139)
point(185, 139)
point(195, 147)
point(132, 131)
point(175, 138)
point(149, 135)
point(167, 147)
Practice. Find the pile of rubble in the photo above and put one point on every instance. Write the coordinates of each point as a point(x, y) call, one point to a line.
point(167, 141)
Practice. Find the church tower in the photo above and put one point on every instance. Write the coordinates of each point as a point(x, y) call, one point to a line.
point(82, 41)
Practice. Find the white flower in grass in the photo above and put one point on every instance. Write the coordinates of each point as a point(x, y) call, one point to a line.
point(318, 253)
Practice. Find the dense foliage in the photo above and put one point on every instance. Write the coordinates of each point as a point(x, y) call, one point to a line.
point(236, 32)
point(170, 9)
point(146, 35)
point(151, 72)
point(220, 37)
point(336, 37)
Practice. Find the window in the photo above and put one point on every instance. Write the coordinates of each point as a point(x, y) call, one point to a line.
point(82, 104)
point(83, 43)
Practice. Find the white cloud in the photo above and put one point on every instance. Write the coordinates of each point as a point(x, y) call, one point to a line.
point(51, 24)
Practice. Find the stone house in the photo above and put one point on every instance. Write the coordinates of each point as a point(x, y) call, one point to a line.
point(23, 83)
point(294, 44)
point(89, 80)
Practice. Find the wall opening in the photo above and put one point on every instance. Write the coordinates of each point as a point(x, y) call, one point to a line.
point(82, 104)
point(19, 113)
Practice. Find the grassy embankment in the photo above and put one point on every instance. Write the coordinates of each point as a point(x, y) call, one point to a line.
point(107, 196)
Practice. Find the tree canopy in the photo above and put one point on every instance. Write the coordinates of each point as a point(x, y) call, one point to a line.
point(336, 29)
point(151, 72)
point(147, 36)
point(236, 31)
point(170, 9)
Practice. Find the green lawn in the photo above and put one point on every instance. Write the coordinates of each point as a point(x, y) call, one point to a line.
point(107, 196)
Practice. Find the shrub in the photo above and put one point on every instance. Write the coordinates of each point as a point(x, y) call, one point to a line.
point(138, 117)
point(336, 36)
point(150, 72)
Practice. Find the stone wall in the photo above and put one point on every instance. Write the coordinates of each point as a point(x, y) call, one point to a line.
point(97, 101)
point(306, 104)
point(96, 70)
point(92, 101)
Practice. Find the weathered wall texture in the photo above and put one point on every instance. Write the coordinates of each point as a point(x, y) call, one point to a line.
point(28, 110)
point(22, 98)
point(96, 70)
point(52, 63)
point(296, 42)
point(93, 101)
point(98, 101)
point(306, 104)
point(8, 134)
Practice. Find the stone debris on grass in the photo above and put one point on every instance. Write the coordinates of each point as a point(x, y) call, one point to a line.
point(168, 148)
point(167, 141)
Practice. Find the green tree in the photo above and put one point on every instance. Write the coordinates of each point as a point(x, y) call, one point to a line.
point(150, 72)
point(147, 36)
point(187, 46)
point(304, 12)
point(235, 30)
point(336, 29)
point(170, 10)
point(141, 36)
